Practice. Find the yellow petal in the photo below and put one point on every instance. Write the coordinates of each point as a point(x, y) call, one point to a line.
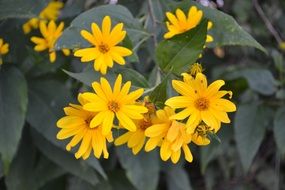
point(165, 151)
point(76, 139)
point(175, 156)
point(135, 138)
point(125, 121)
point(122, 51)
point(108, 123)
point(97, 143)
point(187, 153)
point(156, 130)
point(98, 119)
point(139, 146)
point(106, 27)
point(182, 114)
point(152, 143)
point(96, 106)
point(183, 88)
point(88, 36)
point(85, 144)
point(52, 56)
point(224, 105)
point(179, 102)
point(123, 138)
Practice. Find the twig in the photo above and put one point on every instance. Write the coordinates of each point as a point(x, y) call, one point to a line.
point(151, 13)
point(267, 22)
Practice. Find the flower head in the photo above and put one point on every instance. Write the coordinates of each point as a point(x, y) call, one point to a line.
point(201, 102)
point(180, 23)
point(105, 42)
point(50, 12)
point(4, 49)
point(109, 104)
point(76, 124)
point(50, 33)
point(136, 140)
point(170, 135)
point(196, 68)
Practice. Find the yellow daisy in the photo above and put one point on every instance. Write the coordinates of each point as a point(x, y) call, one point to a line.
point(201, 102)
point(51, 12)
point(50, 33)
point(180, 23)
point(136, 140)
point(4, 49)
point(76, 124)
point(200, 135)
point(105, 42)
point(170, 135)
point(119, 103)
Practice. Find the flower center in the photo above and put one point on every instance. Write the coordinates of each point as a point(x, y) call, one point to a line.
point(144, 124)
point(103, 48)
point(202, 104)
point(113, 106)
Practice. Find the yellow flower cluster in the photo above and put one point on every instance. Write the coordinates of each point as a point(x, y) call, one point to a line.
point(4, 49)
point(50, 12)
point(190, 117)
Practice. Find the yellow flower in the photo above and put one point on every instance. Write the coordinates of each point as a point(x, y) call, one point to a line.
point(50, 33)
point(170, 135)
point(108, 104)
point(105, 42)
point(200, 135)
point(201, 102)
point(51, 12)
point(4, 49)
point(136, 140)
point(76, 124)
point(179, 23)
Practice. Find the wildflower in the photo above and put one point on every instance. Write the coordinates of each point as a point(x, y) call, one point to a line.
point(4, 49)
point(179, 23)
point(76, 124)
point(201, 102)
point(136, 140)
point(108, 104)
point(200, 135)
point(105, 42)
point(51, 12)
point(50, 33)
point(170, 135)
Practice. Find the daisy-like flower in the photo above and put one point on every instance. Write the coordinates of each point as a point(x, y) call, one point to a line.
point(50, 12)
point(76, 124)
point(119, 103)
point(170, 135)
point(105, 42)
point(4, 49)
point(136, 140)
point(200, 135)
point(50, 33)
point(180, 23)
point(201, 102)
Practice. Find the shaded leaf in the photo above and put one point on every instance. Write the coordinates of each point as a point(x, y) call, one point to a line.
point(250, 125)
point(30, 170)
point(159, 95)
point(176, 54)
point(66, 160)
point(142, 170)
point(279, 129)
point(21, 9)
point(13, 107)
point(177, 178)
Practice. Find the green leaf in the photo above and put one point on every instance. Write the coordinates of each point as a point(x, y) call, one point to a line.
point(30, 170)
point(142, 170)
point(176, 54)
point(260, 80)
point(177, 178)
point(250, 125)
point(66, 160)
point(13, 107)
point(226, 30)
point(209, 153)
point(279, 129)
point(21, 9)
point(71, 37)
point(135, 77)
point(159, 95)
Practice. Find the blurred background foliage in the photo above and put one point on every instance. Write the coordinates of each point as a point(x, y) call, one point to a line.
point(33, 93)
